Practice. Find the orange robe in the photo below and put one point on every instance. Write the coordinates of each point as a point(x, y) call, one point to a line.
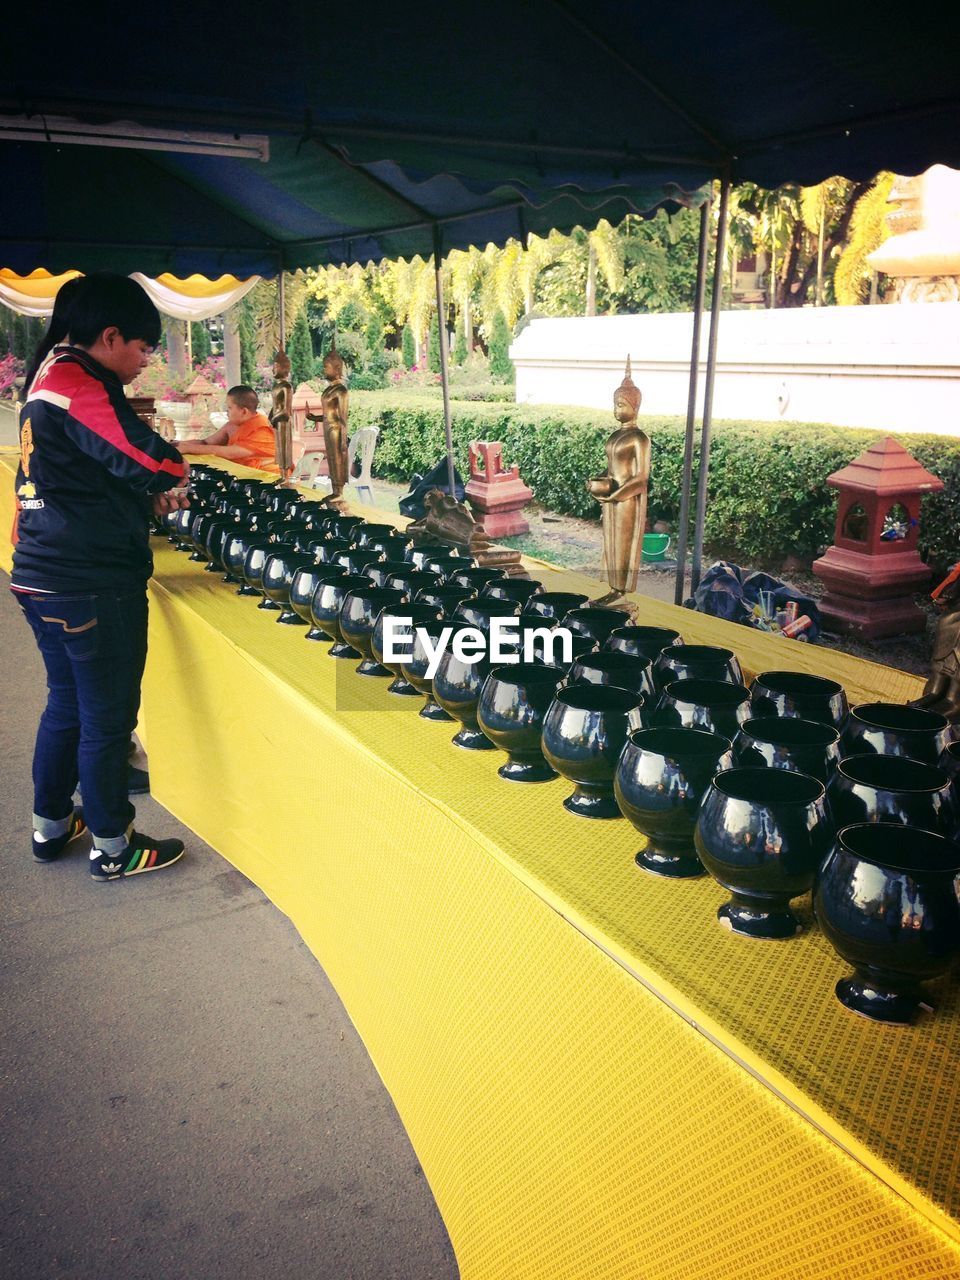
point(257, 435)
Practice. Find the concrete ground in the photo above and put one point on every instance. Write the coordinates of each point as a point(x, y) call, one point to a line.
point(182, 1093)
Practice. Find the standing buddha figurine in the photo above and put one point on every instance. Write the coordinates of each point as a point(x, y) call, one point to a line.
point(335, 404)
point(281, 414)
point(622, 493)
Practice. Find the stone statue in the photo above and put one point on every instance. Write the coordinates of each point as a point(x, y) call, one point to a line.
point(335, 408)
point(281, 414)
point(448, 523)
point(942, 690)
point(622, 493)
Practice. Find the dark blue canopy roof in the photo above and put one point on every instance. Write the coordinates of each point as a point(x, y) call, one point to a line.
point(476, 122)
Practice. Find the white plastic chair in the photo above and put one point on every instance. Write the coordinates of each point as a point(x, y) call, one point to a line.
point(366, 441)
point(307, 468)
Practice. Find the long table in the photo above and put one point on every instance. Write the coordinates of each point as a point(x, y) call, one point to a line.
point(598, 1080)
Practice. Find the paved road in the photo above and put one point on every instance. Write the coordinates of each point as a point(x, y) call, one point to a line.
point(182, 1094)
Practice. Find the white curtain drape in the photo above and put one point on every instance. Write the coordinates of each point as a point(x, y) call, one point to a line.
point(193, 299)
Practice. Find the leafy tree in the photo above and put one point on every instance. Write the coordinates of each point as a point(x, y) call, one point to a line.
point(868, 230)
point(21, 339)
point(200, 342)
point(460, 351)
point(248, 344)
point(409, 348)
point(501, 366)
point(300, 350)
point(433, 347)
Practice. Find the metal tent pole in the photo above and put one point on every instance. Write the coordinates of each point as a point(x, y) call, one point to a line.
point(444, 360)
point(708, 384)
point(282, 306)
point(678, 591)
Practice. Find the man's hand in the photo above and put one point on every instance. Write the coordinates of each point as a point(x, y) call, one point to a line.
point(172, 500)
point(189, 446)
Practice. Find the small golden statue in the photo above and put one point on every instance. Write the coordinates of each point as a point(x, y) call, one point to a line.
point(335, 408)
point(942, 690)
point(281, 414)
point(623, 495)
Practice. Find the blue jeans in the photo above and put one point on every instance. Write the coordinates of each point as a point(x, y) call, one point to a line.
point(94, 648)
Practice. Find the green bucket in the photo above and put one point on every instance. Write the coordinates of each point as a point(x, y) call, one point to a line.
point(655, 547)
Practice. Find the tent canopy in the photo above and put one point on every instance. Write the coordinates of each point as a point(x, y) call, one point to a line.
point(477, 121)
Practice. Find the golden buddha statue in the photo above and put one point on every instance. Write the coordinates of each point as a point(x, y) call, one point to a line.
point(281, 414)
point(335, 407)
point(622, 493)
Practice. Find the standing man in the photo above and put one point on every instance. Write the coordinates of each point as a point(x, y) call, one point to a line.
point(90, 472)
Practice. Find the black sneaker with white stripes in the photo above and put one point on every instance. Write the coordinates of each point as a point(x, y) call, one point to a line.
point(50, 850)
point(142, 853)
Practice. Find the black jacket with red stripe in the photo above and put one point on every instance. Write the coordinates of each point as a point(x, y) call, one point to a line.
point(88, 466)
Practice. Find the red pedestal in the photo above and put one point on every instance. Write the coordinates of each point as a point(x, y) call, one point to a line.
point(871, 579)
point(497, 496)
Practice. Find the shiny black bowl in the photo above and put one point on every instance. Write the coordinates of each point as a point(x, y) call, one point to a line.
point(325, 610)
point(416, 669)
point(411, 580)
point(625, 670)
point(762, 834)
point(661, 778)
point(513, 702)
point(328, 551)
point(584, 732)
point(696, 662)
point(888, 902)
point(714, 705)
point(643, 642)
point(367, 534)
point(443, 594)
point(412, 615)
point(776, 742)
point(457, 685)
point(805, 697)
point(380, 571)
point(889, 789)
point(445, 563)
point(595, 623)
point(258, 548)
point(519, 589)
point(278, 575)
point(475, 577)
point(392, 545)
point(304, 587)
point(358, 616)
point(255, 572)
point(358, 558)
point(235, 549)
point(949, 760)
point(478, 612)
point(889, 729)
point(553, 605)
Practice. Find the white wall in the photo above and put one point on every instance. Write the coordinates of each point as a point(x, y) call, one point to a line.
point(891, 367)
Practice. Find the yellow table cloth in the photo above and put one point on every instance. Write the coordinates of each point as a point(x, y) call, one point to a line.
point(598, 1080)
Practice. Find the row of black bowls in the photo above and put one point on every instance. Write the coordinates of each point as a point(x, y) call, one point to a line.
point(774, 790)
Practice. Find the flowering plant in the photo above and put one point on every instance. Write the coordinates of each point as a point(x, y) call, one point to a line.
point(158, 379)
point(10, 369)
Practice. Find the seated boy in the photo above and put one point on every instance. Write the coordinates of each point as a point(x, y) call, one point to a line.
point(247, 437)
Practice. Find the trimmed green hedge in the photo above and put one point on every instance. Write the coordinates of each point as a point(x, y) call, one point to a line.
point(767, 496)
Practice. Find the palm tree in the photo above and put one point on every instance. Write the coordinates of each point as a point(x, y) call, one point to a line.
point(868, 230)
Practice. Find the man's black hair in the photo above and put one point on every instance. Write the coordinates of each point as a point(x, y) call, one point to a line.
point(103, 300)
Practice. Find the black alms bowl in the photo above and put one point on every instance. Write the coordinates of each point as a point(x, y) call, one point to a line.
point(888, 901)
point(553, 605)
point(625, 670)
point(513, 702)
point(762, 833)
point(595, 623)
point(888, 789)
point(278, 575)
point(644, 642)
point(661, 777)
point(889, 729)
point(325, 610)
point(584, 732)
point(714, 705)
point(776, 742)
point(413, 615)
point(696, 662)
point(358, 616)
point(794, 693)
point(304, 587)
